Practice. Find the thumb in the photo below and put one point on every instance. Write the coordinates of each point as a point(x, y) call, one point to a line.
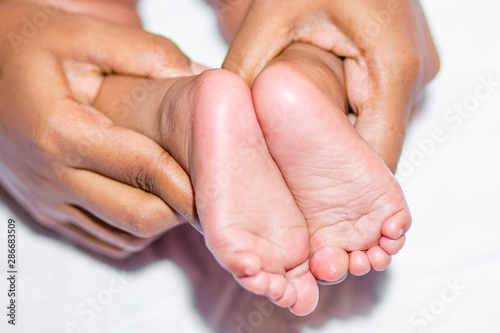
point(123, 50)
point(260, 39)
point(382, 123)
point(382, 98)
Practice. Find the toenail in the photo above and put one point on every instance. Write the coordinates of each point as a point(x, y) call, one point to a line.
point(329, 283)
point(359, 275)
point(401, 232)
point(274, 300)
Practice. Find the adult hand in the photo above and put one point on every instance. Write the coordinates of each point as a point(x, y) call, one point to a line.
point(109, 188)
point(389, 55)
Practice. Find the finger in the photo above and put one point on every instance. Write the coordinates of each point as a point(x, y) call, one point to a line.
point(122, 206)
point(94, 143)
point(384, 132)
point(103, 231)
point(120, 49)
point(82, 137)
point(92, 243)
point(82, 237)
point(230, 14)
point(382, 104)
point(257, 42)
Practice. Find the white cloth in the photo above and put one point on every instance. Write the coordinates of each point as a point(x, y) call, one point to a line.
point(444, 280)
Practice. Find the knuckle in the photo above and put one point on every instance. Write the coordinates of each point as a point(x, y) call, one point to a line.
point(144, 179)
point(45, 143)
point(148, 221)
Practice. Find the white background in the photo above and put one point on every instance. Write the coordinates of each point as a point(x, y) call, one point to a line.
point(451, 186)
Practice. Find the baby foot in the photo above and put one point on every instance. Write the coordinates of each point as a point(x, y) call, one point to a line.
point(249, 218)
point(351, 201)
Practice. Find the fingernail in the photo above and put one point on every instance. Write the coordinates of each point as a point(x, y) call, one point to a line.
point(329, 283)
point(352, 118)
point(198, 68)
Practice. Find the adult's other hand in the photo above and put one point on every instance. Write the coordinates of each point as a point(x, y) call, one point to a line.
point(108, 188)
point(389, 55)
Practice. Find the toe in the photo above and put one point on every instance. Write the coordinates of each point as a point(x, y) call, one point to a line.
point(239, 263)
point(379, 259)
point(257, 284)
point(307, 294)
point(397, 225)
point(288, 298)
point(359, 264)
point(391, 246)
point(273, 286)
point(329, 263)
point(306, 287)
point(277, 286)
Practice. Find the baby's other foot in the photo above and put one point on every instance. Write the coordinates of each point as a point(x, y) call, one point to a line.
point(353, 205)
point(250, 220)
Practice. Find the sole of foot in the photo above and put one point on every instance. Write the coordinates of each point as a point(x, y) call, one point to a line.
point(353, 205)
point(250, 220)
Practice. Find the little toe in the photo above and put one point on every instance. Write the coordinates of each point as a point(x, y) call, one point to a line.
point(392, 246)
point(379, 259)
point(306, 287)
point(397, 225)
point(329, 263)
point(359, 264)
point(307, 294)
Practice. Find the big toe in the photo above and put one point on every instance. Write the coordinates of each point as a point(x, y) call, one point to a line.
point(329, 264)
